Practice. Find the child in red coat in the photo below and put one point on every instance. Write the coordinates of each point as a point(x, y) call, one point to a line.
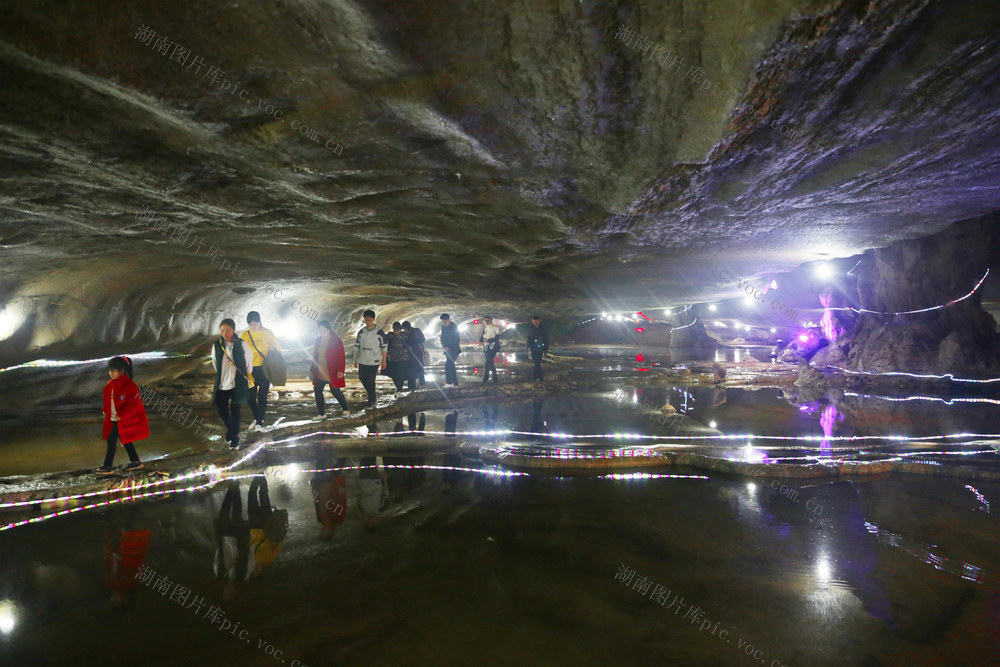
point(124, 414)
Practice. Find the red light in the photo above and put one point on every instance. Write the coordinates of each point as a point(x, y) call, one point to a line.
point(643, 369)
point(640, 358)
point(475, 321)
point(640, 329)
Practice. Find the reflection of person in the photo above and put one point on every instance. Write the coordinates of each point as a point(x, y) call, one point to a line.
point(328, 364)
point(234, 561)
point(449, 478)
point(329, 492)
point(233, 378)
point(261, 341)
point(451, 344)
point(374, 489)
point(491, 348)
point(124, 414)
point(369, 354)
point(123, 558)
point(266, 532)
point(538, 345)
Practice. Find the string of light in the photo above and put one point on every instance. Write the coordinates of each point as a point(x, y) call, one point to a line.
point(903, 399)
point(919, 376)
point(919, 310)
point(59, 363)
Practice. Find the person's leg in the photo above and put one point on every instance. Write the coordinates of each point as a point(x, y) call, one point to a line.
point(339, 395)
point(450, 373)
point(222, 405)
point(263, 387)
point(252, 400)
point(234, 423)
point(132, 455)
point(536, 356)
point(318, 386)
point(486, 367)
point(109, 456)
point(367, 376)
point(398, 380)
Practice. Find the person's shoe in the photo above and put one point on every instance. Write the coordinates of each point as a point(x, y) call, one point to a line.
point(104, 471)
point(257, 427)
point(134, 465)
point(318, 418)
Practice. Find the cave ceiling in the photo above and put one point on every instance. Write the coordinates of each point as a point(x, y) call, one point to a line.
point(565, 153)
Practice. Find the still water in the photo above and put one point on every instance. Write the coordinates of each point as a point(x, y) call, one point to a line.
point(438, 558)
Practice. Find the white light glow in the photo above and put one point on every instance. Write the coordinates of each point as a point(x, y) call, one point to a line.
point(9, 323)
point(751, 487)
point(823, 570)
point(773, 330)
point(721, 325)
point(712, 424)
point(748, 301)
point(823, 271)
point(290, 328)
point(668, 311)
point(711, 307)
point(429, 377)
point(463, 328)
point(8, 616)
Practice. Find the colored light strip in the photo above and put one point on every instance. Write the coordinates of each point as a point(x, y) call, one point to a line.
point(113, 501)
point(919, 310)
point(985, 504)
point(901, 399)
point(946, 376)
point(648, 475)
point(212, 470)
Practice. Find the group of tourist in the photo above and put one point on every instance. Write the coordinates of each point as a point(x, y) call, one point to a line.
point(240, 375)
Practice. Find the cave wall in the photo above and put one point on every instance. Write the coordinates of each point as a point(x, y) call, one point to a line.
point(921, 273)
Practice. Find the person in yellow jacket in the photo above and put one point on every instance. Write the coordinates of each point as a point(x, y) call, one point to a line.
point(260, 341)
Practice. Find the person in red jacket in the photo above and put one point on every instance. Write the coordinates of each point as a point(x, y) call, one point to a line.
point(124, 414)
point(123, 562)
point(328, 364)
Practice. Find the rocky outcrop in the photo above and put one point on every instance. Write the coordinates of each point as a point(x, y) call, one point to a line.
point(690, 331)
point(920, 274)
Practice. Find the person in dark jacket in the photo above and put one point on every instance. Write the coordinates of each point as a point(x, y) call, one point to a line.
point(451, 344)
point(233, 378)
point(415, 342)
point(538, 345)
point(398, 363)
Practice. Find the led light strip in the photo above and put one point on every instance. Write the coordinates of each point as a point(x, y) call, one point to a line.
point(946, 376)
point(105, 503)
point(950, 401)
point(57, 363)
point(685, 326)
point(920, 310)
point(212, 470)
point(252, 452)
point(493, 472)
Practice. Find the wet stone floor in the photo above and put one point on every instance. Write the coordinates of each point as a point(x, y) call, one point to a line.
point(439, 555)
